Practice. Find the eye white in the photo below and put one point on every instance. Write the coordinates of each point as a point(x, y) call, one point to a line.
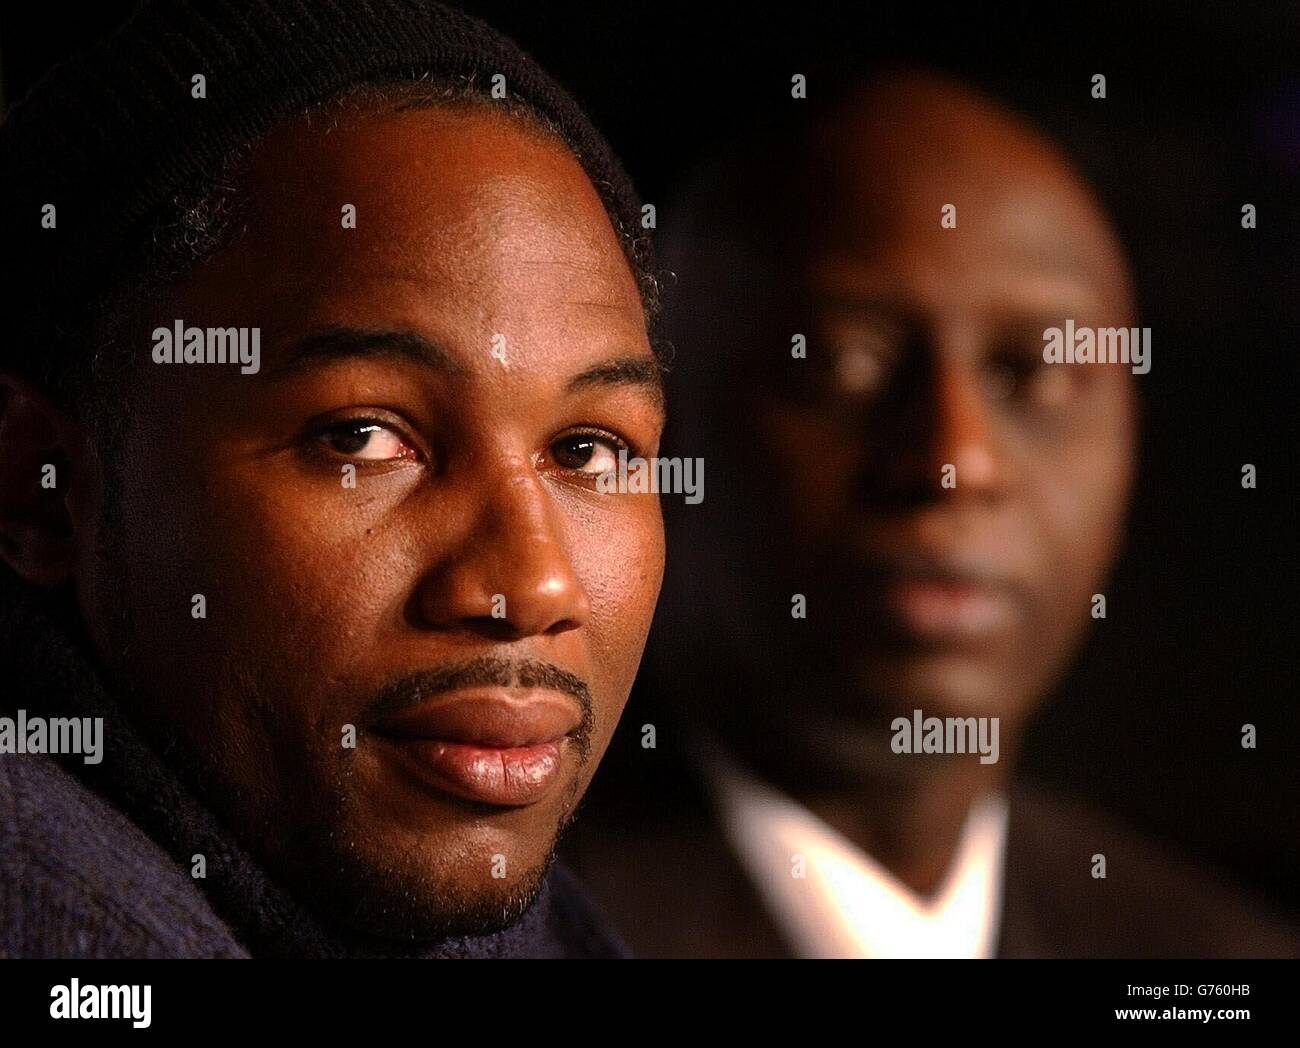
point(604, 459)
point(380, 443)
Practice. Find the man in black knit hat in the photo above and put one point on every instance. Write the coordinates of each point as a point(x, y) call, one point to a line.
point(323, 324)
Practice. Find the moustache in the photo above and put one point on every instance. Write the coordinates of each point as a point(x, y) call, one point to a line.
point(415, 689)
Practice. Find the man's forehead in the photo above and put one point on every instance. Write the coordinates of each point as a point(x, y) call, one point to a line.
point(466, 201)
point(1019, 254)
point(499, 364)
point(902, 285)
point(392, 232)
point(908, 154)
point(436, 158)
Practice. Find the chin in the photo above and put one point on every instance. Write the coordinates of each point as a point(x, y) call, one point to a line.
point(415, 902)
point(939, 685)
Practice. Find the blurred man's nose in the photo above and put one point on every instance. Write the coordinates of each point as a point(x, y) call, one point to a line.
point(938, 438)
point(512, 575)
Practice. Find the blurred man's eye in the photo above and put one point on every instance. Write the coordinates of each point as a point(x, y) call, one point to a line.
point(1025, 380)
point(366, 439)
point(862, 353)
point(589, 453)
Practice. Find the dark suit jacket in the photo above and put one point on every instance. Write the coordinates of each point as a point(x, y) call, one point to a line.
point(674, 888)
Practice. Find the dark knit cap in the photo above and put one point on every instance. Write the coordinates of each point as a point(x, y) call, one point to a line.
point(113, 136)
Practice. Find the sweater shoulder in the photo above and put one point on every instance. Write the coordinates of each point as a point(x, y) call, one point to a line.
point(579, 923)
point(78, 879)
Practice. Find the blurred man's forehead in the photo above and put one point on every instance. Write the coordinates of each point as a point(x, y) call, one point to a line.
point(928, 183)
point(895, 284)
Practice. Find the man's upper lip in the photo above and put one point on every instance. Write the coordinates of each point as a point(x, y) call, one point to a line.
point(487, 716)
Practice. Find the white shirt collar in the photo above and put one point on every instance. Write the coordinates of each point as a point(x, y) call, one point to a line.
point(831, 899)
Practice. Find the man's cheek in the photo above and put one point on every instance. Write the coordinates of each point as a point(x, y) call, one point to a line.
point(1071, 533)
point(615, 639)
point(622, 609)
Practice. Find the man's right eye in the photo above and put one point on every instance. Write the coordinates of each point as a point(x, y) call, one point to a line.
point(369, 440)
point(588, 453)
point(862, 354)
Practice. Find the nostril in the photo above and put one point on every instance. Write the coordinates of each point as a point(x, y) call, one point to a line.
point(492, 627)
point(563, 626)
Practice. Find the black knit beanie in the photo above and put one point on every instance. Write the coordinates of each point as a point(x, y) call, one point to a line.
point(112, 137)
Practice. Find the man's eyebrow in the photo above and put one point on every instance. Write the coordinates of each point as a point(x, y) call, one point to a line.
point(624, 371)
point(340, 343)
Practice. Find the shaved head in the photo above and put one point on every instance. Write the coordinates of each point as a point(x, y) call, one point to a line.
point(902, 147)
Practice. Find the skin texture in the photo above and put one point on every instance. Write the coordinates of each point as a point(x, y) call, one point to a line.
point(476, 482)
point(925, 350)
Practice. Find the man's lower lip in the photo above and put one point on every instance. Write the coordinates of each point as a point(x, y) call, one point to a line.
point(939, 610)
point(506, 776)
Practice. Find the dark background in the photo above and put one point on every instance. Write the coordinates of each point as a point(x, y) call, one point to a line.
point(1202, 115)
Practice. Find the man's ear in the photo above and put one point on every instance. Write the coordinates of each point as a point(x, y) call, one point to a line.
point(42, 455)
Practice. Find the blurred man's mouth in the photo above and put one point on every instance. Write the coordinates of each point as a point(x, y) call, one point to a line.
point(944, 601)
point(498, 746)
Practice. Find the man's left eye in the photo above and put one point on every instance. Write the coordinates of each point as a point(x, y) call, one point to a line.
point(586, 453)
point(365, 439)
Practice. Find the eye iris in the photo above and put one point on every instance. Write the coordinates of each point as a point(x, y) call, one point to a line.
point(351, 439)
point(575, 452)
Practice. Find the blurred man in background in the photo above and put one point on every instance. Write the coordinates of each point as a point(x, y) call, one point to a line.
point(911, 520)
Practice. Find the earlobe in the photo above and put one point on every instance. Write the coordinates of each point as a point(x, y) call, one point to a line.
point(39, 461)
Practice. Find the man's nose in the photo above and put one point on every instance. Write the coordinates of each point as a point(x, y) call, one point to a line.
point(513, 575)
point(942, 441)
